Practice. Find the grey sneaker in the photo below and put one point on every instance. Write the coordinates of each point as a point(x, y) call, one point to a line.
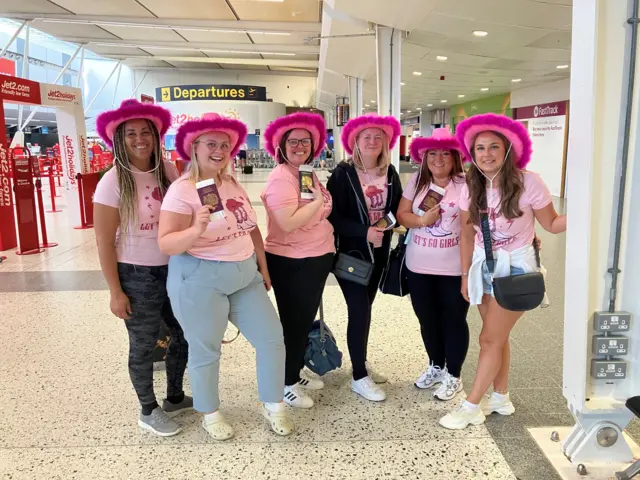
point(159, 423)
point(173, 409)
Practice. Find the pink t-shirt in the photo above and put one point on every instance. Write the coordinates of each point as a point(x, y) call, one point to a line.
point(512, 234)
point(375, 191)
point(139, 246)
point(311, 240)
point(435, 249)
point(225, 239)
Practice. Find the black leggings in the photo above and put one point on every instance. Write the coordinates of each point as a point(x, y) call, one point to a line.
point(442, 312)
point(146, 288)
point(298, 284)
point(359, 302)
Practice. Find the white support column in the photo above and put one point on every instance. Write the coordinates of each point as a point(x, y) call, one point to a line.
point(115, 89)
point(11, 40)
point(388, 58)
point(137, 87)
point(55, 82)
point(79, 82)
point(117, 65)
point(600, 72)
point(356, 85)
point(25, 69)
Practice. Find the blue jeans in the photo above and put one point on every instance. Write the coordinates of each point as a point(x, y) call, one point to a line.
point(487, 284)
point(205, 295)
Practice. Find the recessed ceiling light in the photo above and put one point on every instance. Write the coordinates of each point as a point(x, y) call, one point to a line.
point(485, 89)
point(419, 108)
point(480, 33)
point(562, 67)
point(417, 74)
point(373, 101)
point(460, 96)
point(441, 58)
point(408, 111)
point(443, 101)
point(402, 84)
point(516, 80)
point(430, 105)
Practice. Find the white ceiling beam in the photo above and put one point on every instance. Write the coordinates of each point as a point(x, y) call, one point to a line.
point(196, 46)
point(274, 62)
point(171, 23)
point(233, 71)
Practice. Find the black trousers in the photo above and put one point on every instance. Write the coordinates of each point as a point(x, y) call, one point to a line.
point(298, 284)
point(442, 312)
point(146, 288)
point(359, 306)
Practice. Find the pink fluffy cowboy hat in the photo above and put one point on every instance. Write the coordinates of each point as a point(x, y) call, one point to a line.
point(131, 109)
point(390, 126)
point(516, 133)
point(210, 122)
point(441, 139)
point(311, 122)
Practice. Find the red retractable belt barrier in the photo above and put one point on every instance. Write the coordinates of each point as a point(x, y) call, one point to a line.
point(43, 223)
point(87, 184)
point(25, 205)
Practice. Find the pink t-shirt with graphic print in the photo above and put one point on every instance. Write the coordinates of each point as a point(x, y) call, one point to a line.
point(512, 234)
point(375, 190)
point(435, 249)
point(311, 240)
point(139, 246)
point(225, 239)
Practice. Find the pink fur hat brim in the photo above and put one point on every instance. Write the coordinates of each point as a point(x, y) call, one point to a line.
point(190, 131)
point(131, 109)
point(421, 145)
point(311, 122)
point(514, 131)
point(389, 125)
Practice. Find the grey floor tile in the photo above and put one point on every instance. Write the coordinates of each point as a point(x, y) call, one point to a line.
point(526, 460)
point(514, 426)
point(543, 400)
point(555, 419)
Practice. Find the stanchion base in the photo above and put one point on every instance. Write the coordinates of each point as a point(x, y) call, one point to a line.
point(2, 259)
point(31, 252)
point(48, 245)
point(53, 211)
point(83, 227)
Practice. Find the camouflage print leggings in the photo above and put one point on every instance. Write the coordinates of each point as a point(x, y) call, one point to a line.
point(146, 288)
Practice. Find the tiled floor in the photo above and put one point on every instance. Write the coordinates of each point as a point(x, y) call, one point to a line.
point(70, 411)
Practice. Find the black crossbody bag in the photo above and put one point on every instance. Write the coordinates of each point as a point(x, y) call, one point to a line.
point(350, 268)
point(517, 293)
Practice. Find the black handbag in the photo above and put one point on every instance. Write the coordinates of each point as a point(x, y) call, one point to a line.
point(517, 293)
point(350, 268)
point(394, 278)
point(353, 269)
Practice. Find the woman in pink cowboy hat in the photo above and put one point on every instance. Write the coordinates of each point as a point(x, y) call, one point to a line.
point(126, 210)
point(365, 188)
point(433, 259)
point(218, 271)
point(508, 199)
point(299, 241)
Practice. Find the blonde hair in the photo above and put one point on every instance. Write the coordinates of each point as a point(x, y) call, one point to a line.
point(128, 209)
point(384, 159)
point(194, 168)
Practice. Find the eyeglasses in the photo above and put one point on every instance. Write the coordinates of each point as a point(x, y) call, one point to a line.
point(225, 147)
point(293, 142)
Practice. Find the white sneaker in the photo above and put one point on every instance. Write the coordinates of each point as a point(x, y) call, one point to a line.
point(449, 388)
point(294, 397)
point(377, 377)
point(431, 377)
point(497, 403)
point(311, 383)
point(463, 417)
point(367, 388)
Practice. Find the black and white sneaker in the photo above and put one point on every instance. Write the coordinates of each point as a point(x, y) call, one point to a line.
point(311, 383)
point(294, 397)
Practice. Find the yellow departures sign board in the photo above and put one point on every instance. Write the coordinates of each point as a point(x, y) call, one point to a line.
point(181, 93)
